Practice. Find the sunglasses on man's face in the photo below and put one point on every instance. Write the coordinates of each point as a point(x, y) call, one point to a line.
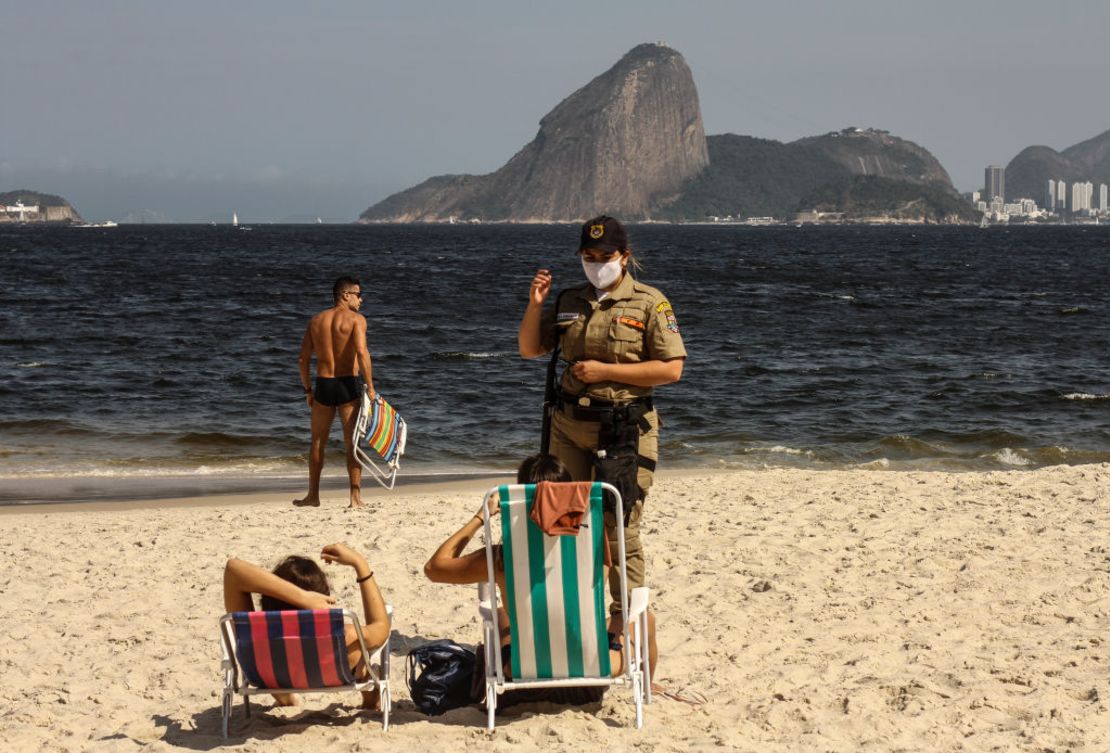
point(355, 294)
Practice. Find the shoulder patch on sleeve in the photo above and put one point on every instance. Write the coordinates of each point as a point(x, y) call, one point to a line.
point(665, 310)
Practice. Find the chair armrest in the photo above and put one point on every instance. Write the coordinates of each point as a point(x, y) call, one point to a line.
point(381, 653)
point(638, 602)
point(486, 607)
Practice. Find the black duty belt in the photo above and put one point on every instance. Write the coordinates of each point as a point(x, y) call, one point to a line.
point(585, 408)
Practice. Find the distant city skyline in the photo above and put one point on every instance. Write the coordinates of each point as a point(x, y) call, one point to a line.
point(996, 206)
point(285, 112)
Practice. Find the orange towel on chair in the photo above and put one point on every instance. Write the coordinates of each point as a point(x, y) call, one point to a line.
point(558, 508)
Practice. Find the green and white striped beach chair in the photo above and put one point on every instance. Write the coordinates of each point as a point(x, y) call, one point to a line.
point(555, 593)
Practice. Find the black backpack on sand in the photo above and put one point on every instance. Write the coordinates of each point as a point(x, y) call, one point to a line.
point(446, 672)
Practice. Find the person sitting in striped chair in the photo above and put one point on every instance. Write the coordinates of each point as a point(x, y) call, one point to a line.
point(299, 583)
point(449, 565)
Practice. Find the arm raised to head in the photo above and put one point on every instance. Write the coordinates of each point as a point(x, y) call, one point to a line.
point(243, 579)
point(376, 630)
point(448, 565)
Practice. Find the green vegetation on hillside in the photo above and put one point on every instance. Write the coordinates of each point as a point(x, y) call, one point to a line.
point(32, 198)
point(751, 177)
point(1028, 173)
point(867, 196)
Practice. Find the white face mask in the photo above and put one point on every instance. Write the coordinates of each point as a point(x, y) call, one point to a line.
point(602, 274)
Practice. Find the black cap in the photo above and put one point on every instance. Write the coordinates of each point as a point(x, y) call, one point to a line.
point(605, 233)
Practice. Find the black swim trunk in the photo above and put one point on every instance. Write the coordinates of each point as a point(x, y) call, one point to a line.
point(337, 390)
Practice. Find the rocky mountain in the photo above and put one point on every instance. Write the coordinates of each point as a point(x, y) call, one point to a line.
point(1094, 154)
point(631, 143)
point(1028, 173)
point(50, 208)
point(631, 135)
point(758, 177)
point(876, 153)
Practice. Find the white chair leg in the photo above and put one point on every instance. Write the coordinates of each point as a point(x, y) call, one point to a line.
point(387, 704)
point(225, 708)
point(491, 705)
point(638, 697)
point(645, 652)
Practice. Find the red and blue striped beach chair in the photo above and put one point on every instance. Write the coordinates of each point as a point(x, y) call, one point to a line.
point(296, 651)
point(380, 430)
point(555, 599)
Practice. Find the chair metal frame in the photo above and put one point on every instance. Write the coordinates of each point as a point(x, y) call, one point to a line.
point(635, 631)
point(386, 476)
point(378, 659)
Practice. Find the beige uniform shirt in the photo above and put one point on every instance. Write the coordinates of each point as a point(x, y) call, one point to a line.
point(634, 323)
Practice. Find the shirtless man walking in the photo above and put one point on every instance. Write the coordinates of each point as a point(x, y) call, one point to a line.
point(337, 338)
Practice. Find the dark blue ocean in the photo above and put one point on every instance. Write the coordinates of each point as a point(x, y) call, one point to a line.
point(162, 359)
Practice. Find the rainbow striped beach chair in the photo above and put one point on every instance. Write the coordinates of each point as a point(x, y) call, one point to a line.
point(555, 593)
point(296, 651)
point(382, 431)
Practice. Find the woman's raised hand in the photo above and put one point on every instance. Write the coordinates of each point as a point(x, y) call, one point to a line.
point(492, 505)
point(342, 554)
point(541, 286)
point(313, 600)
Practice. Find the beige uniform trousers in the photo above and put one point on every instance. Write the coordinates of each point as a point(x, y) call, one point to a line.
point(575, 442)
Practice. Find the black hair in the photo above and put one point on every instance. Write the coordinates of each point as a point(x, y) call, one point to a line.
point(342, 285)
point(300, 571)
point(539, 467)
point(534, 469)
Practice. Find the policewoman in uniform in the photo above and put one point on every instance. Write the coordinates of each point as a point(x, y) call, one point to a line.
point(619, 340)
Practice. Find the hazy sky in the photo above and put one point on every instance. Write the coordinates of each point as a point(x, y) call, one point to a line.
point(285, 111)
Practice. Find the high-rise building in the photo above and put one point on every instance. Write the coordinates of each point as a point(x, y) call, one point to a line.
point(1089, 195)
point(1102, 205)
point(1050, 196)
point(994, 183)
point(1081, 196)
point(1061, 195)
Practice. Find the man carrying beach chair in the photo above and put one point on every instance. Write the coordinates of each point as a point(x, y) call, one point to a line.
point(336, 338)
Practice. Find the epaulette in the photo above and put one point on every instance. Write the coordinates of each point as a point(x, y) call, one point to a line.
point(645, 288)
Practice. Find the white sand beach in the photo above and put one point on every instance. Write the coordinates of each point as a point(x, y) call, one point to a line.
point(817, 610)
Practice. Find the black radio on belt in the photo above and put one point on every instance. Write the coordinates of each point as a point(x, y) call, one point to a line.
point(618, 459)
